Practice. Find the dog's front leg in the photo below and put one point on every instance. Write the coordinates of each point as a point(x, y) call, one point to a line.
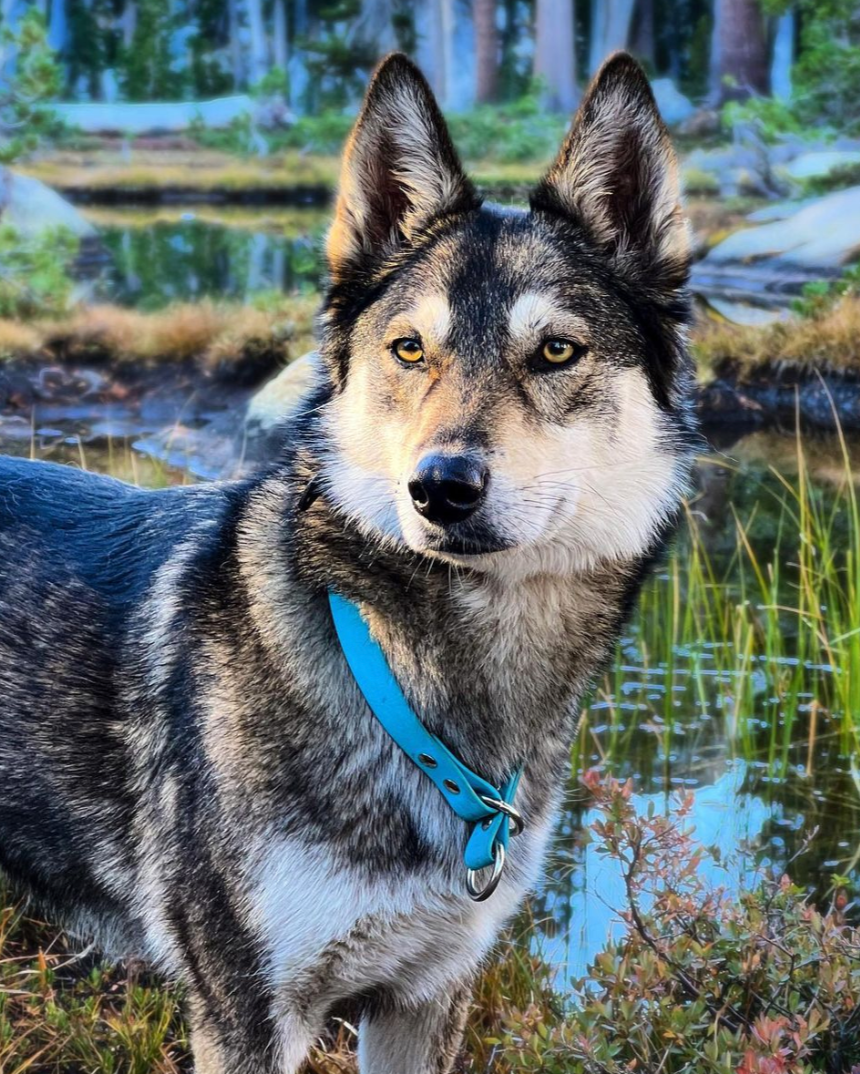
point(224, 1044)
point(423, 1040)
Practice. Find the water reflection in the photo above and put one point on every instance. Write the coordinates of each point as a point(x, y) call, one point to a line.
point(187, 254)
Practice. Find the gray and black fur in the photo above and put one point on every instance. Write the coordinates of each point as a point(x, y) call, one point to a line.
point(187, 769)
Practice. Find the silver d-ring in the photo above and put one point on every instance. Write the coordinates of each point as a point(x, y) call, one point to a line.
point(478, 894)
point(514, 815)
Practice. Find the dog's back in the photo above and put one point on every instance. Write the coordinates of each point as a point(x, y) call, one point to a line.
point(77, 553)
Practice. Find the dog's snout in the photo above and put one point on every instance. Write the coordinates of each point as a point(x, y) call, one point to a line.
point(448, 488)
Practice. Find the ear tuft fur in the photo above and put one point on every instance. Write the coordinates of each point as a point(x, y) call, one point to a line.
point(617, 176)
point(400, 171)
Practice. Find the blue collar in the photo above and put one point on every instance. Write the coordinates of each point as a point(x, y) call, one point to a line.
point(487, 808)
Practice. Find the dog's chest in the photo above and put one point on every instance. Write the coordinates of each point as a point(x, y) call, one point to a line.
point(330, 931)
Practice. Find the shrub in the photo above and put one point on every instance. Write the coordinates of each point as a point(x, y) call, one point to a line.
point(819, 297)
point(701, 981)
point(35, 272)
point(237, 137)
point(24, 120)
point(507, 133)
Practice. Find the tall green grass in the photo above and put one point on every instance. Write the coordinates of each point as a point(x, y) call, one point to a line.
point(763, 638)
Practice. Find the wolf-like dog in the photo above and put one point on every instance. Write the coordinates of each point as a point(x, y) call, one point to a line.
point(495, 452)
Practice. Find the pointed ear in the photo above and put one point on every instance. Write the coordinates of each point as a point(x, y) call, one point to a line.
point(400, 171)
point(617, 176)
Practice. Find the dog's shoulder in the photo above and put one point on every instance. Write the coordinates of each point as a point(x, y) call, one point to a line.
point(108, 533)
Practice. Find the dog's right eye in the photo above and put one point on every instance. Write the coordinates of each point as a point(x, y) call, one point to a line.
point(408, 350)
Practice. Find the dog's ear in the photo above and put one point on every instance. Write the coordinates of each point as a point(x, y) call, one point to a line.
point(400, 171)
point(617, 176)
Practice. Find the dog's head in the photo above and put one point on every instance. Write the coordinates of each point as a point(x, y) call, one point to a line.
point(511, 386)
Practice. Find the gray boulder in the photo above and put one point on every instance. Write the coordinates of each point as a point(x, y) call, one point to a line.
point(820, 163)
point(821, 236)
point(282, 396)
point(123, 117)
point(31, 207)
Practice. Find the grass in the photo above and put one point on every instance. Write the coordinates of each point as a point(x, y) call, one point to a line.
point(222, 332)
point(764, 636)
point(209, 332)
point(62, 1011)
point(828, 341)
point(147, 171)
point(198, 170)
point(284, 220)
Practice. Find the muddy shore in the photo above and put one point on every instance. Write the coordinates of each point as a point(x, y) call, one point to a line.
point(772, 398)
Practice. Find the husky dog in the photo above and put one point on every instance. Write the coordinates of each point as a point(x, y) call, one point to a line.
point(494, 455)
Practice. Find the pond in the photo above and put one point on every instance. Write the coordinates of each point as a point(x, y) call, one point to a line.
point(183, 254)
point(153, 257)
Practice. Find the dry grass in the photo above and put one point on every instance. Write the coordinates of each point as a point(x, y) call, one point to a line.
point(208, 171)
point(182, 170)
point(212, 333)
point(828, 342)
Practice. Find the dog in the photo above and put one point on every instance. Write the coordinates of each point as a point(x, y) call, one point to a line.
point(493, 456)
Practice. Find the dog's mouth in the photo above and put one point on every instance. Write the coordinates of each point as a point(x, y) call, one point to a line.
point(476, 542)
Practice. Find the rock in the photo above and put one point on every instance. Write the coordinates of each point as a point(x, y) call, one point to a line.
point(780, 210)
point(737, 169)
point(821, 236)
point(817, 164)
point(128, 118)
point(702, 122)
point(674, 107)
point(281, 397)
point(745, 313)
point(273, 113)
point(31, 207)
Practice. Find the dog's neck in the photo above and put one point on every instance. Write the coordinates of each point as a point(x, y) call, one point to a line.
point(494, 665)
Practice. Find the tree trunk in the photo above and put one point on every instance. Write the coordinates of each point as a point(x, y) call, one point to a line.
point(374, 27)
point(643, 43)
point(610, 29)
point(429, 51)
point(258, 51)
point(128, 23)
point(280, 47)
point(446, 9)
point(236, 57)
point(555, 53)
point(486, 50)
point(743, 59)
point(783, 57)
point(58, 26)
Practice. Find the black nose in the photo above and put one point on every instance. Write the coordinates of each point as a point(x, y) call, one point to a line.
point(448, 488)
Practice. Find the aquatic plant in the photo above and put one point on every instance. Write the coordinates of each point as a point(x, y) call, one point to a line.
point(754, 623)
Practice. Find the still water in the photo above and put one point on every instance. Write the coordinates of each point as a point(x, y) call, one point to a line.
point(155, 257)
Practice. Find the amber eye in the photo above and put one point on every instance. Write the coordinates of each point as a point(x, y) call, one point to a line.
point(408, 350)
point(561, 351)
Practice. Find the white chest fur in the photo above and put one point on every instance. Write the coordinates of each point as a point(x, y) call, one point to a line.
point(330, 931)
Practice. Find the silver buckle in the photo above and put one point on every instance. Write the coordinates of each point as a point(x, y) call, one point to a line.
point(515, 820)
point(514, 815)
point(478, 894)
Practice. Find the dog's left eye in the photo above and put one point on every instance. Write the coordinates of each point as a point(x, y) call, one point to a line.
point(408, 350)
